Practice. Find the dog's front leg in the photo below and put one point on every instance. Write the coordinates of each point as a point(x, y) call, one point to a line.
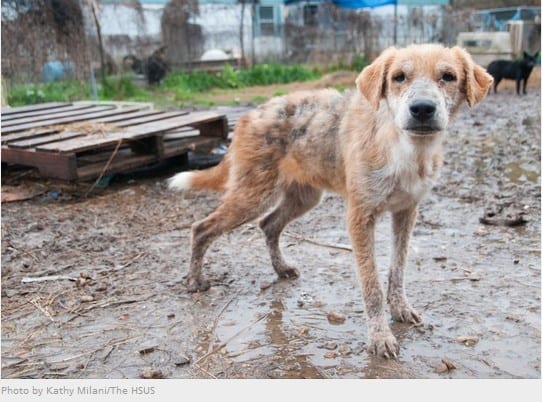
point(361, 225)
point(402, 225)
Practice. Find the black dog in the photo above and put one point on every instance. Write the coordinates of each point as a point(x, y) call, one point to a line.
point(157, 66)
point(513, 70)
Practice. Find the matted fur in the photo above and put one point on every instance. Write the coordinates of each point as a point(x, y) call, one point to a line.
point(379, 146)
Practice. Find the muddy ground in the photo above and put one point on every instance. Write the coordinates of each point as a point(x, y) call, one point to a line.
point(114, 304)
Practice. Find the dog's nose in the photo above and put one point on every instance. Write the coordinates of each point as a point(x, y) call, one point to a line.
point(422, 110)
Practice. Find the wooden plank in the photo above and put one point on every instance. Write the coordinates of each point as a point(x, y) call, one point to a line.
point(90, 114)
point(43, 114)
point(101, 156)
point(45, 139)
point(126, 116)
point(233, 114)
point(196, 119)
point(214, 128)
point(58, 166)
point(150, 119)
point(39, 106)
point(177, 134)
point(7, 138)
point(117, 165)
point(181, 146)
point(82, 110)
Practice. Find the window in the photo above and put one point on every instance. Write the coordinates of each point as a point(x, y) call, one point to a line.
point(267, 25)
point(310, 15)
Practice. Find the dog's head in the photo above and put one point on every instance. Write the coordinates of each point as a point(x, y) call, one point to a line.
point(530, 59)
point(423, 85)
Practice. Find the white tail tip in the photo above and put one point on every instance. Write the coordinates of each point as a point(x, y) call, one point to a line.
point(181, 181)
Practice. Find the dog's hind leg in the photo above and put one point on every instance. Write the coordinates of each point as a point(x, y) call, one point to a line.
point(296, 200)
point(238, 208)
point(402, 225)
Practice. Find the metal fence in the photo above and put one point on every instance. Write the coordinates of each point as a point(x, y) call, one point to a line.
point(305, 33)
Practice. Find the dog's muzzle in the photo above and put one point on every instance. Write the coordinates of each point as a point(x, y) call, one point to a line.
point(422, 117)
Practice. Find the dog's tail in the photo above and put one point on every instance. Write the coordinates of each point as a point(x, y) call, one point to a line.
point(214, 178)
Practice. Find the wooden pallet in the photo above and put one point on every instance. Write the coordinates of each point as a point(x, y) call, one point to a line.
point(51, 137)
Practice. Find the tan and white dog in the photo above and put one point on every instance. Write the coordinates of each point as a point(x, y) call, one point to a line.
point(380, 147)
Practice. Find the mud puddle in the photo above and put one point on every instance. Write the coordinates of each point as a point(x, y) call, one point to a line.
point(106, 298)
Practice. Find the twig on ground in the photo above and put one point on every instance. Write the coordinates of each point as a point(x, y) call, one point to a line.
point(318, 243)
point(457, 279)
point(127, 264)
point(206, 372)
point(215, 323)
point(9, 245)
point(36, 304)
point(225, 343)
point(108, 304)
point(48, 278)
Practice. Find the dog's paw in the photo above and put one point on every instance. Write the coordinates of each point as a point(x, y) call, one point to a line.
point(384, 344)
point(197, 285)
point(287, 272)
point(402, 312)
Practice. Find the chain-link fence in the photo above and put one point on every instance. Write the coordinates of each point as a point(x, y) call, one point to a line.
point(304, 32)
point(35, 33)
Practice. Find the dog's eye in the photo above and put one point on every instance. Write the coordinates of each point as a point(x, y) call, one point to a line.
point(400, 77)
point(448, 77)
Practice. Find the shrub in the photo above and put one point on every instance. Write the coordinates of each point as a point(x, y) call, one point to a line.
point(59, 91)
point(122, 88)
point(260, 74)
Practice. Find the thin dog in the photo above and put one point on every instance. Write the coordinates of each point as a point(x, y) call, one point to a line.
point(379, 146)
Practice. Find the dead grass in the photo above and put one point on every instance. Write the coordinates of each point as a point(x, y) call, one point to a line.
point(87, 128)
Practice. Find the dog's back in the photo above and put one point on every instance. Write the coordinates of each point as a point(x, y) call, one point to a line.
point(518, 70)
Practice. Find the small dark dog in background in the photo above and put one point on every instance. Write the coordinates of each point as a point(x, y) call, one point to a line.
point(157, 66)
point(513, 70)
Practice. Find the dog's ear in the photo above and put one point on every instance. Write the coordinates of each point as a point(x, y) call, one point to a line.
point(477, 81)
point(525, 55)
point(372, 80)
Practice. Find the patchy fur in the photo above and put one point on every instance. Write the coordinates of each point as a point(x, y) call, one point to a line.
point(379, 146)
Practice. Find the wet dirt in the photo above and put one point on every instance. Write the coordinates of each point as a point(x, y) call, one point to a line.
point(93, 287)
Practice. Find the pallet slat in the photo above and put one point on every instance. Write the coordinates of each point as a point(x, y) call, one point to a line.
point(40, 106)
point(46, 114)
point(151, 118)
point(125, 117)
point(44, 139)
point(89, 114)
point(22, 135)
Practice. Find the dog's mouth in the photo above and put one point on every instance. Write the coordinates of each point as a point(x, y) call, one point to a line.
point(422, 129)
